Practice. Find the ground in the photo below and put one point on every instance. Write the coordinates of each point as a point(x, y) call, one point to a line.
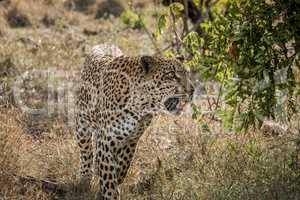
point(177, 158)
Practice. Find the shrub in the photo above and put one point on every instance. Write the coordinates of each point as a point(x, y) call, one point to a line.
point(252, 49)
point(132, 20)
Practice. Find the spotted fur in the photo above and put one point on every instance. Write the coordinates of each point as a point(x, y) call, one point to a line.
point(117, 99)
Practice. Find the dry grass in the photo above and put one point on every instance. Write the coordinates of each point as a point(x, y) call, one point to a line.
point(199, 165)
point(177, 158)
point(13, 143)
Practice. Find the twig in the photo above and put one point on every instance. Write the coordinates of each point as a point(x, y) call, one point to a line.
point(158, 51)
point(178, 40)
point(209, 103)
point(185, 19)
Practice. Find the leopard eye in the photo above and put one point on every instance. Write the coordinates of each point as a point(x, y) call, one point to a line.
point(170, 76)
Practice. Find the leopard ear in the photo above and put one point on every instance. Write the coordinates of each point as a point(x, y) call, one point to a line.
point(180, 58)
point(148, 62)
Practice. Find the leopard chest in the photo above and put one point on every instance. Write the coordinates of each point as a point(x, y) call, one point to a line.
point(124, 127)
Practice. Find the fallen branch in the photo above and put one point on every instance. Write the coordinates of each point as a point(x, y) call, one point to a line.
point(46, 185)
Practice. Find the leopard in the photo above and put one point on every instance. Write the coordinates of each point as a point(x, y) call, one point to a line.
point(117, 98)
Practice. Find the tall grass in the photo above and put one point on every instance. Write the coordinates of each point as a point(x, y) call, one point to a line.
point(176, 158)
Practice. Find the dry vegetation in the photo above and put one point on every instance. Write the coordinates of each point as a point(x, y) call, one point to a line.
point(177, 158)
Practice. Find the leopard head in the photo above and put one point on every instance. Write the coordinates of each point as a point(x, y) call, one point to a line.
point(166, 84)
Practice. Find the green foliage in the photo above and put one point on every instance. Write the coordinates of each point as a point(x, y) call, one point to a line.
point(174, 11)
point(132, 20)
point(249, 47)
point(197, 2)
point(252, 50)
point(177, 8)
point(193, 42)
point(162, 24)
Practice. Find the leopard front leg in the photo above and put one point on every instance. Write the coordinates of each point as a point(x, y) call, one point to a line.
point(105, 163)
point(83, 135)
point(125, 153)
point(124, 157)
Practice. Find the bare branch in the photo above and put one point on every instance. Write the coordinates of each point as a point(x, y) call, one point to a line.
point(157, 49)
point(177, 38)
point(185, 18)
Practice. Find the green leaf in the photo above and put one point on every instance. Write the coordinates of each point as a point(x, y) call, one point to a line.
point(196, 112)
point(197, 2)
point(162, 23)
point(177, 8)
point(193, 41)
point(132, 19)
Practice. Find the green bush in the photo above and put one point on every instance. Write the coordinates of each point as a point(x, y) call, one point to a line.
point(132, 20)
point(252, 49)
